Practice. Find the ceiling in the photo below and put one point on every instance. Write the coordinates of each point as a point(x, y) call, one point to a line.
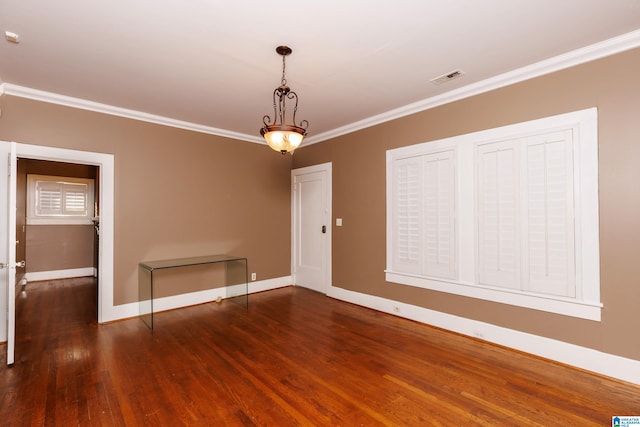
point(211, 65)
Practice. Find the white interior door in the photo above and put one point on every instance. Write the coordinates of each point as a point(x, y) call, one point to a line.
point(311, 206)
point(8, 244)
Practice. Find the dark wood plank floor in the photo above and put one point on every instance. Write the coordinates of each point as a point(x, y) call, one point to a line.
point(293, 358)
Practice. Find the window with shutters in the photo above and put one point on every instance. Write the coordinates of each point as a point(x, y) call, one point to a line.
point(508, 215)
point(59, 200)
point(525, 214)
point(425, 214)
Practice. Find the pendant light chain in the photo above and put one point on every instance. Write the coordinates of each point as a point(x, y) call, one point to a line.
point(283, 82)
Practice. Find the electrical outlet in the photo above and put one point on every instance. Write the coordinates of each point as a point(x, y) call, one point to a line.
point(253, 276)
point(478, 334)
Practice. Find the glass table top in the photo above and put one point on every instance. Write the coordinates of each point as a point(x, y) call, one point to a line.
point(183, 262)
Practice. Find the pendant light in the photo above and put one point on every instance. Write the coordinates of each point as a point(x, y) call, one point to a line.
point(277, 133)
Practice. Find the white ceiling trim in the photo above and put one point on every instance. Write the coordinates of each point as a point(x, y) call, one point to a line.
point(580, 56)
point(68, 101)
point(589, 53)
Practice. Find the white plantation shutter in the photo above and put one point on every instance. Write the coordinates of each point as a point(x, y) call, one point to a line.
point(498, 255)
point(525, 214)
point(407, 218)
point(424, 215)
point(439, 214)
point(48, 198)
point(548, 200)
point(59, 198)
point(75, 199)
point(52, 199)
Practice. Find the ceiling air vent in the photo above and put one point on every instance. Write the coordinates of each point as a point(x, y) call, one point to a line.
point(11, 37)
point(447, 77)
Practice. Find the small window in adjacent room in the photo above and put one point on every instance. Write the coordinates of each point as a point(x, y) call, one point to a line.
point(59, 200)
point(508, 215)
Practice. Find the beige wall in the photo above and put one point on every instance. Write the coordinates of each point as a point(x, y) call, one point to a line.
point(177, 193)
point(359, 197)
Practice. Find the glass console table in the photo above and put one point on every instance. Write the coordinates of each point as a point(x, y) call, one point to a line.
point(236, 279)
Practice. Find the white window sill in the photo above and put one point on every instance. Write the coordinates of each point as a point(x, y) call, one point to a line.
point(59, 221)
point(564, 306)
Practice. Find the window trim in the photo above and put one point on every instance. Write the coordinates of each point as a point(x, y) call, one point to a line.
point(59, 219)
point(587, 303)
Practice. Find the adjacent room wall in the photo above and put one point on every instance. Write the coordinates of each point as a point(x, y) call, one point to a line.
point(359, 197)
point(59, 247)
point(178, 193)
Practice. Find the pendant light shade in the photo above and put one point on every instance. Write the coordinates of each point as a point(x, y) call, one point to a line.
point(279, 135)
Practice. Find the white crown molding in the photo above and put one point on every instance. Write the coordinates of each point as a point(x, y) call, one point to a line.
point(68, 101)
point(570, 59)
point(595, 51)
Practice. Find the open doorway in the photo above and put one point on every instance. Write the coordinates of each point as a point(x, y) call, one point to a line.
point(106, 310)
point(57, 222)
point(105, 189)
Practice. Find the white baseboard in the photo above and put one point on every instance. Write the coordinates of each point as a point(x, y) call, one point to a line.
point(269, 284)
point(35, 276)
point(559, 351)
point(125, 311)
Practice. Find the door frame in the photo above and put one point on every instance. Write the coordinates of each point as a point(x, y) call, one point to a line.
point(327, 168)
point(105, 164)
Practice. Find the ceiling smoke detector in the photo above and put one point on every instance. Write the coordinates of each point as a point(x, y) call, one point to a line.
point(451, 75)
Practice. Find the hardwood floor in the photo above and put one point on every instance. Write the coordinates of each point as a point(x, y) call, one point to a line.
point(293, 358)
